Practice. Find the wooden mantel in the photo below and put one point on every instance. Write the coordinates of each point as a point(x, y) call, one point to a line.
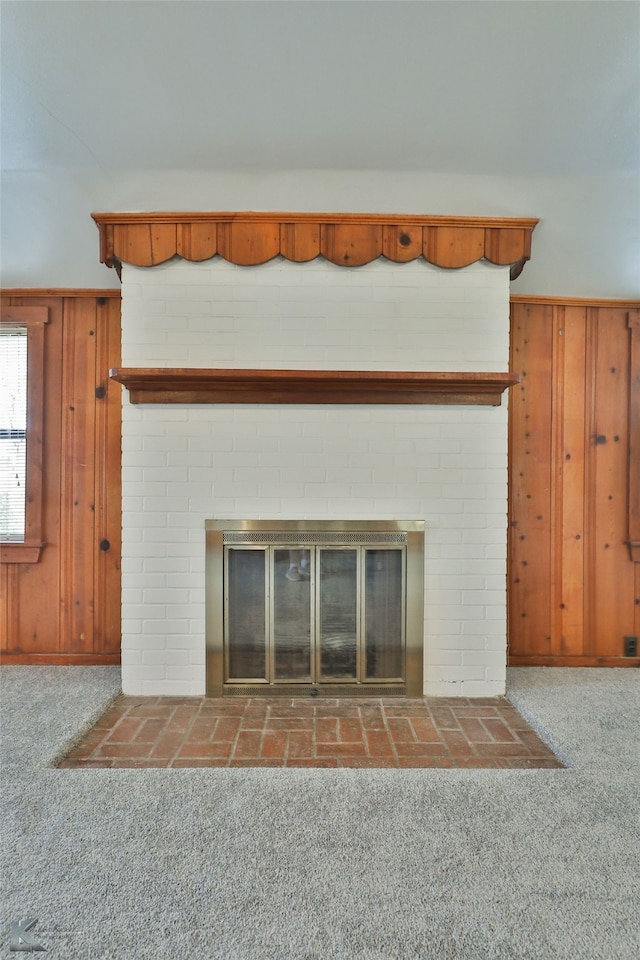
point(193, 385)
point(346, 239)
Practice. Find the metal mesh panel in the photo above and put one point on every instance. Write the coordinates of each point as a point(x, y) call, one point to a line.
point(334, 691)
point(321, 537)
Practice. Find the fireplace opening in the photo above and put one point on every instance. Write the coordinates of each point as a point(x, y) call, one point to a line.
point(326, 608)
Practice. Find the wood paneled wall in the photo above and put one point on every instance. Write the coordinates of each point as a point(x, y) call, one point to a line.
point(574, 590)
point(66, 607)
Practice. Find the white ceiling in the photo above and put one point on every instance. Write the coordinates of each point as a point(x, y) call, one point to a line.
point(498, 88)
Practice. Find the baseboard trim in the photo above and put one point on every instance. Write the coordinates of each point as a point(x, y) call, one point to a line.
point(540, 661)
point(60, 659)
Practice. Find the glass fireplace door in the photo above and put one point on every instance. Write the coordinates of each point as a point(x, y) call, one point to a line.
point(314, 614)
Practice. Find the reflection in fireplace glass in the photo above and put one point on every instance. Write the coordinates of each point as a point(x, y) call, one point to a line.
point(322, 614)
point(384, 607)
point(246, 620)
point(292, 615)
point(338, 624)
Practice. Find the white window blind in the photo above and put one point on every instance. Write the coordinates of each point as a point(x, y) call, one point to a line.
point(13, 432)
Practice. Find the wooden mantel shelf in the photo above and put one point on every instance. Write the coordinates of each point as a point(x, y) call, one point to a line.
point(193, 385)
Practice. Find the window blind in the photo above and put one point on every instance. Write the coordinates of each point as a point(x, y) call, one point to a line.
point(13, 432)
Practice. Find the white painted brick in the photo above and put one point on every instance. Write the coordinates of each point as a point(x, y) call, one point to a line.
point(190, 463)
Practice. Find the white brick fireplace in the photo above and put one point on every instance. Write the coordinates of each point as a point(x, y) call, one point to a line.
point(443, 464)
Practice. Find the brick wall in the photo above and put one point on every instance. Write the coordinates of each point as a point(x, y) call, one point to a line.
point(446, 465)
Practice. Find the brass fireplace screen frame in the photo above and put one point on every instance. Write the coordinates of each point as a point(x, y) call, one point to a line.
point(300, 534)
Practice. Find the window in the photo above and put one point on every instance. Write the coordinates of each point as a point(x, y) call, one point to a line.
point(13, 432)
point(21, 421)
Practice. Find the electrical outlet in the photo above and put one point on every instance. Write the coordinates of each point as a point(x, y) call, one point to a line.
point(631, 646)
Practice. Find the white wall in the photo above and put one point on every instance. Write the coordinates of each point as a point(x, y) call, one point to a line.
point(446, 465)
point(586, 245)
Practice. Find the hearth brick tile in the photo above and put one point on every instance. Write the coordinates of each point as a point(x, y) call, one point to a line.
point(168, 743)
point(198, 762)
point(206, 733)
point(372, 716)
point(474, 730)
point(149, 731)
point(341, 749)
point(502, 750)
point(274, 745)
point(222, 708)
point(423, 762)
point(202, 729)
point(254, 762)
point(113, 750)
point(140, 763)
point(321, 762)
point(444, 718)
point(379, 743)
point(299, 724)
point(183, 715)
point(301, 745)
point(247, 744)
point(421, 750)
point(513, 719)
point(457, 743)
point(425, 729)
point(103, 764)
point(479, 763)
point(226, 728)
point(204, 751)
point(350, 730)
point(152, 711)
point(477, 712)
point(498, 730)
point(326, 730)
point(370, 763)
point(401, 730)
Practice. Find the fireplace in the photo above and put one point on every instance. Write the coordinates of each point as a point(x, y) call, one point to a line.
point(314, 607)
point(317, 371)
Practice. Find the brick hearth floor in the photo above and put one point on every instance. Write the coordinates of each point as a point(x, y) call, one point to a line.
point(279, 732)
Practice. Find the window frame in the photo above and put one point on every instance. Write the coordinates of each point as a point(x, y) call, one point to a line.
point(33, 319)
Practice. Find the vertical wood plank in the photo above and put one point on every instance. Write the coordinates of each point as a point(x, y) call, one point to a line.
point(108, 486)
point(530, 483)
point(633, 322)
point(568, 451)
point(78, 474)
point(610, 579)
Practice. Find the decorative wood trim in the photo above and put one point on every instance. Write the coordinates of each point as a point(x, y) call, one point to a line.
point(572, 301)
point(186, 385)
point(60, 659)
point(633, 321)
point(24, 552)
point(347, 239)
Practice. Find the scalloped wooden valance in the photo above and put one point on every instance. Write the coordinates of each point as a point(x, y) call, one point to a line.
point(346, 239)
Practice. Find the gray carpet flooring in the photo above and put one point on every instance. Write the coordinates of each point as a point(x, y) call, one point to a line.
point(260, 864)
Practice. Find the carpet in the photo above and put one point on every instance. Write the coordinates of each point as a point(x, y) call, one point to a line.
point(313, 864)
